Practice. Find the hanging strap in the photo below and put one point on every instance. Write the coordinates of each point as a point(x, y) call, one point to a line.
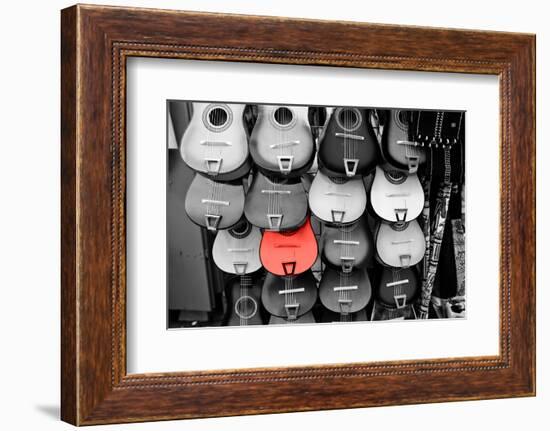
point(460, 256)
point(427, 225)
point(438, 229)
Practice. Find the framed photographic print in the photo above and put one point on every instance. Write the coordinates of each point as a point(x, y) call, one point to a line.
point(328, 222)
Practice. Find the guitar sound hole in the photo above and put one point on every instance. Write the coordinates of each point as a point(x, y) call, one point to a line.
point(338, 180)
point(399, 226)
point(241, 230)
point(395, 177)
point(246, 307)
point(402, 120)
point(283, 116)
point(217, 117)
point(349, 119)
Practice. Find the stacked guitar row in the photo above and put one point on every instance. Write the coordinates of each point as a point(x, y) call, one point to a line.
point(332, 218)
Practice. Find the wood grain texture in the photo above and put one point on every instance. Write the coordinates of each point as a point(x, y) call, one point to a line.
point(69, 396)
point(96, 41)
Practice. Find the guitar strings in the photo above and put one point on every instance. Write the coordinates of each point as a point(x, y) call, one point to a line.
point(412, 151)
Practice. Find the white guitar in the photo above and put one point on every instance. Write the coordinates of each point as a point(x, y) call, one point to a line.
point(337, 200)
point(281, 141)
point(216, 143)
point(396, 196)
point(400, 245)
point(237, 250)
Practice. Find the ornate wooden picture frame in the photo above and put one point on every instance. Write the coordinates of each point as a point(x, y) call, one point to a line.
point(96, 41)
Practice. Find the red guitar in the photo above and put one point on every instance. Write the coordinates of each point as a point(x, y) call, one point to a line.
point(289, 253)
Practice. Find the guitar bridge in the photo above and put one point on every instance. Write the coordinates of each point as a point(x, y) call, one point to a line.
point(397, 283)
point(405, 241)
point(216, 143)
point(345, 288)
point(215, 202)
point(289, 291)
point(349, 136)
point(284, 144)
point(277, 192)
point(345, 242)
point(408, 143)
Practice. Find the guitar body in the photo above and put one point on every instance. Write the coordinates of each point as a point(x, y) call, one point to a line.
point(347, 247)
point(281, 142)
point(337, 200)
point(216, 143)
point(397, 288)
point(244, 297)
point(306, 318)
point(395, 196)
point(276, 204)
point(237, 250)
point(400, 246)
point(213, 204)
point(332, 317)
point(349, 146)
point(289, 253)
point(345, 293)
point(398, 148)
point(289, 297)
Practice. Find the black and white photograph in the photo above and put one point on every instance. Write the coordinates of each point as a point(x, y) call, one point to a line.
point(295, 214)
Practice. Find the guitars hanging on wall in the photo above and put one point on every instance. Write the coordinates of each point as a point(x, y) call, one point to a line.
point(244, 298)
point(399, 245)
point(397, 287)
point(395, 196)
point(337, 200)
point(281, 141)
point(345, 293)
point(276, 204)
point(347, 247)
point(214, 204)
point(289, 252)
point(216, 143)
point(237, 250)
point(349, 146)
point(289, 297)
point(399, 147)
